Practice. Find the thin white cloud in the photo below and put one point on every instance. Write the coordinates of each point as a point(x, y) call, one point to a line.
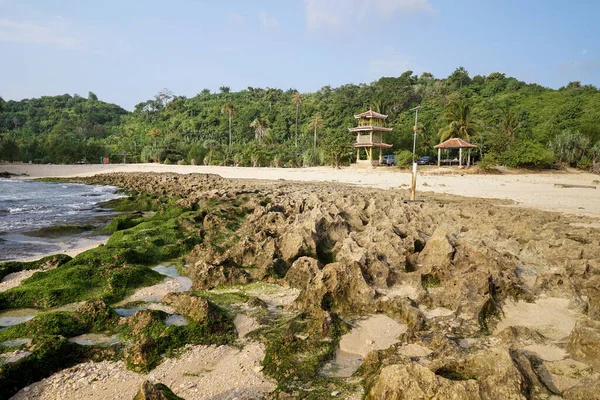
point(268, 22)
point(236, 19)
point(584, 52)
point(54, 32)
point(336, 14)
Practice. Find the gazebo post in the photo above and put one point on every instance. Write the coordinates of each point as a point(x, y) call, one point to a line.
point(469, 158)
point(380, 155)
point(358, 154)
point(460, 156)
point(439, 157)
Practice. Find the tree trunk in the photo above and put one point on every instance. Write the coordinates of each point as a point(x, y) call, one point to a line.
point(230, 118)
point(297, 109)
point(154, 141)
point(315, 139)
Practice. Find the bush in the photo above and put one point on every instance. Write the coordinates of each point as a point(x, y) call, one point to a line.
point(150, 154)
point(527, 154)
point(196, 154)
point(403, 158)
point(311, 158)
point(488, 162)
point(569, 147)
point(584, 163)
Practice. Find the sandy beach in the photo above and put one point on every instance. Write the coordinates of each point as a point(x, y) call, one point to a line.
point(533, 190)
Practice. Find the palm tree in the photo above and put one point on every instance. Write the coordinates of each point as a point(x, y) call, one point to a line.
point(315, 123)
point(458, 122)
point(297, 100)
point(229, 109)
point(210, 145)
point(509, 123)
point(154, 133)
point(260, 128)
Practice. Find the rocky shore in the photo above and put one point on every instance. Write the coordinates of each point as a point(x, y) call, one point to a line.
point(343, 291)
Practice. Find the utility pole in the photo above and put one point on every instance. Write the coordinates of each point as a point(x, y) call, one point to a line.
point(413, 186)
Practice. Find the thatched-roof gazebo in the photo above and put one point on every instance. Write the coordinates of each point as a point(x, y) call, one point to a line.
point(455, 143)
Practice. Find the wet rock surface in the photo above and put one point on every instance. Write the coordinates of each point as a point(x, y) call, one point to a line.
point(496, 301)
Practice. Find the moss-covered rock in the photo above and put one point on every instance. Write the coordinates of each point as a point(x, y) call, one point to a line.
point(157, 391)
point(48, 355)
point(45, 263)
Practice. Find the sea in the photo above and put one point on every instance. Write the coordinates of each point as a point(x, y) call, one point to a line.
point(27, 205)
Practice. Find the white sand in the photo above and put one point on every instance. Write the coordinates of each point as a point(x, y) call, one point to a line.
point(201, 372)
point(534, 190)
point(374, 332)
point(550, 316)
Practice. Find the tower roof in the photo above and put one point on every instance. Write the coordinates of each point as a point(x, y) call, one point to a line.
point(371, 114)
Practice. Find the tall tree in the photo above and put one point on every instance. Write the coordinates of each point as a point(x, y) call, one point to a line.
point(210, 145)
point(316, 123)
point(509, 123)
point(154, 133)
point(229, 109)
point(297, 100)
point(225, 89)
point(260, 128)
point(458, 121)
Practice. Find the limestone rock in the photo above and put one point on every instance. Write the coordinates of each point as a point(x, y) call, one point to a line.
point(438, 250)
point(302, 272)
point(208, 276)
point(414, 381)
point(338, 287)
point(584, 343)
point(158, 391)
point(194, 307)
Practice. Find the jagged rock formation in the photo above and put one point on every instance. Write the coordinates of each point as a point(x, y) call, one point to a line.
point(447, 268)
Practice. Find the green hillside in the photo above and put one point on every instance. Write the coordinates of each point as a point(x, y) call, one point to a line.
point(509, 120)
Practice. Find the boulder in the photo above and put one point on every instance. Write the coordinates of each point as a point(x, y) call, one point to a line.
point(207, 276)
point(302, 272)
point(414, 381)
point(194, 307)
point(438, 251)
point(158, 391)
point(338, 287)
point(584, 342)
point(592, 286)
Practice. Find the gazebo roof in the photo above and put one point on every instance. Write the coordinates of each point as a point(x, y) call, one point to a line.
point(455, 143)
point(370, 114)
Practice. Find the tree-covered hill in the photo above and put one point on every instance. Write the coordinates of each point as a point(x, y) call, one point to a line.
point(509, 120)
point(61, 129)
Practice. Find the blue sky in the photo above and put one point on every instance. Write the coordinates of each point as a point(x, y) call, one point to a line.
point(126, 51)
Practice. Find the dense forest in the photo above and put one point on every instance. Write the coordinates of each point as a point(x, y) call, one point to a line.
point(512, 123)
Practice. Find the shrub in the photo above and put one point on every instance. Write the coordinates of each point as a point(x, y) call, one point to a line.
point(488, 162)
point(584, 163)
point(527, 154)
point(403, 158)
point(569, 147)
point(150, 154)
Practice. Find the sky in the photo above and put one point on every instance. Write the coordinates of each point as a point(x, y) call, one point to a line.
point(126, 51)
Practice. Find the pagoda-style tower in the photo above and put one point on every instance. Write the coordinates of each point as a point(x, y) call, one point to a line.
point(369, 135)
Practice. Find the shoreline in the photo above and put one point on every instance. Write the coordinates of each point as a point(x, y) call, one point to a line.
point(530, 190)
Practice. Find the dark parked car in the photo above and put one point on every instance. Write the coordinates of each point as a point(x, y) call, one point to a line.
point(389, 159)
point(426, 160)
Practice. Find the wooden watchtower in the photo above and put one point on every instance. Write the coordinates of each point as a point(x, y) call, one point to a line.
point(369, 135)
